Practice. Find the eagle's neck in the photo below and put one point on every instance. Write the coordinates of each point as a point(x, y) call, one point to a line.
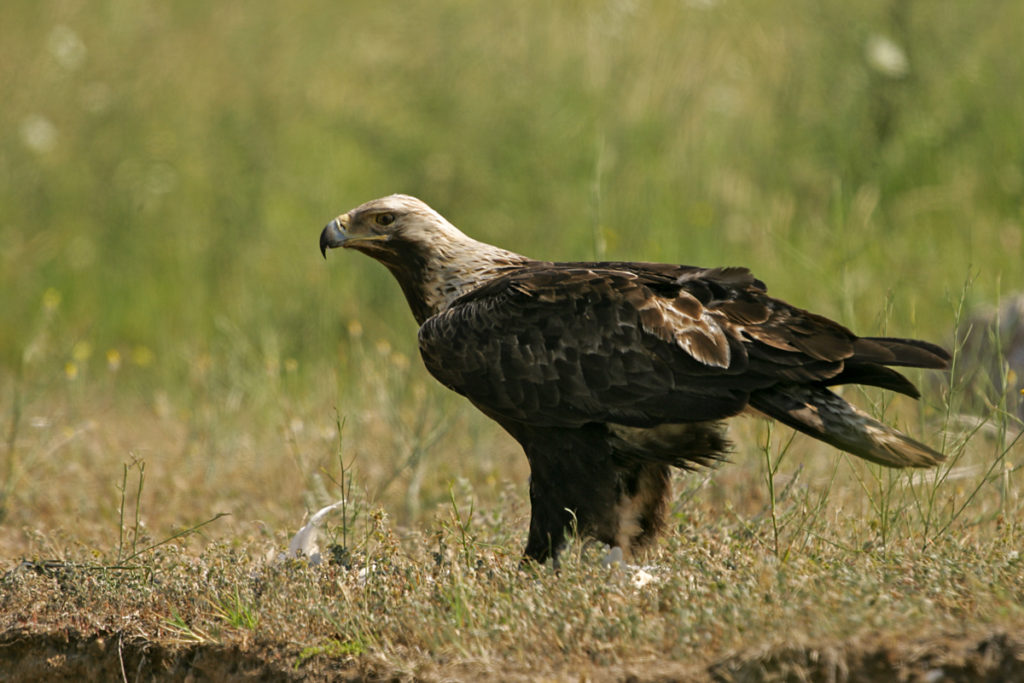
point(433, 276)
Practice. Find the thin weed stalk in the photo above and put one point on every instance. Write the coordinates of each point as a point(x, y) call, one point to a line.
point(122, 557)
point(771, 470)
point(11, 464)
point(465, 541)
point(123, 488)
point(344, 483)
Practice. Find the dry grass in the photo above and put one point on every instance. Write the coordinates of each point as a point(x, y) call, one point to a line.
point(833, 566)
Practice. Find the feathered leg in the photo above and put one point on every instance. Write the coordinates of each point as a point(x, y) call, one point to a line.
point(577, 483)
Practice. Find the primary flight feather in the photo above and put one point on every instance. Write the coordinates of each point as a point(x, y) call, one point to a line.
point(610, 373)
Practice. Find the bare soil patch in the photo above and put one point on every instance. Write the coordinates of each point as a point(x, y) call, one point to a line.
point(71, 655)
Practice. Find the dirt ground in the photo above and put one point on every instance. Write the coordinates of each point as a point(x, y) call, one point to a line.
point(72, 656)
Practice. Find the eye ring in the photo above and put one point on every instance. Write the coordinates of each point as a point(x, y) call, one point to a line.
point(385, 219)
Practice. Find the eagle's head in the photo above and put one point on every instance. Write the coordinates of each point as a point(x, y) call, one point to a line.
point(433, 261)
point(390, 228)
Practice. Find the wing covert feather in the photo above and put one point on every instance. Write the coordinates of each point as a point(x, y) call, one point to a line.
point(567, 345)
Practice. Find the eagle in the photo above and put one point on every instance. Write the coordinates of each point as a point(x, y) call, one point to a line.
point(611, 373)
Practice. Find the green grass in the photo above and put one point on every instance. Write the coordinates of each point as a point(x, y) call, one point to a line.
point(173, 348)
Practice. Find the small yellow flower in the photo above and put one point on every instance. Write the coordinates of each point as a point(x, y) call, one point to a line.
point(51, 299)
point(290, 365)
point(71, 370)
point(81, 351)
point(355, 329)
point(142, 356)
point(113, 360)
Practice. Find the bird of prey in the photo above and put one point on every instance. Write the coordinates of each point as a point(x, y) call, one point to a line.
point(610, 373)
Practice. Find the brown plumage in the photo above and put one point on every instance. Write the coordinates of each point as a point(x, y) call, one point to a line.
point(610, 373)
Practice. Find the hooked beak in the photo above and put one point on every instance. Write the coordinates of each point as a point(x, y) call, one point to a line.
point(337, 234)
point(332, 236)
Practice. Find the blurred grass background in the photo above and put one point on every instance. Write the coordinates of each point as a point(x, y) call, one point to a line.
point(166, 168)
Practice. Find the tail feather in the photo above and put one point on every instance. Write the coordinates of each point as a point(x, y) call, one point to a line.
point(818, 412)
point(907, 352)
point(874, 375)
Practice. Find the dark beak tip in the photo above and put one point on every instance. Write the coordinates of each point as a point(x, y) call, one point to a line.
point(325, 238)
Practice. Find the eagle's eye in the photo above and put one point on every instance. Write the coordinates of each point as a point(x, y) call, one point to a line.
point(385, 219)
